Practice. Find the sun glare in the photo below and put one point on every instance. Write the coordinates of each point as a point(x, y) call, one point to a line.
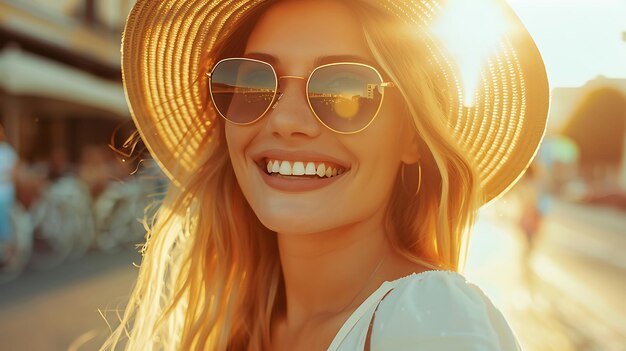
point(470, 31)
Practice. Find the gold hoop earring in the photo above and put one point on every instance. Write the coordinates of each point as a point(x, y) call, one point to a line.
point(419, 183)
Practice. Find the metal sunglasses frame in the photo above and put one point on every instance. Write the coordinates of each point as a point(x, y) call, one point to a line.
point(277, 95)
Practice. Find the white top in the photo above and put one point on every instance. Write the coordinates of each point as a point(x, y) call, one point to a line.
point(430, 311)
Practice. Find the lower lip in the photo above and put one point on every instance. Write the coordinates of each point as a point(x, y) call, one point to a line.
point(295, 185)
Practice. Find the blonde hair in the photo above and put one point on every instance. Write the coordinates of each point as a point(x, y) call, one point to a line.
point(210, 278)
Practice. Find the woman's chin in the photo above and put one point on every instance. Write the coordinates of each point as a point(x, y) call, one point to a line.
point(295, 224)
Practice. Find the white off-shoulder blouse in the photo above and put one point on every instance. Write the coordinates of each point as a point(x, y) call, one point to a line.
point(429, 311)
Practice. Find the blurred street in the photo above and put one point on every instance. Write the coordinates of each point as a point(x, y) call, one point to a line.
point(567, 293)
point(570, 299)
point(59, 309)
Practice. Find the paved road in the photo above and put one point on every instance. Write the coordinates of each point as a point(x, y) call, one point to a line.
point(55, 310)
point(582, 267)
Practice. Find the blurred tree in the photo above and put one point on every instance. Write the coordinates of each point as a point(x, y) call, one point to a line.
point(598, 127)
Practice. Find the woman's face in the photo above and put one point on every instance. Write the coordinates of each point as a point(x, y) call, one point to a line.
point(297, 35)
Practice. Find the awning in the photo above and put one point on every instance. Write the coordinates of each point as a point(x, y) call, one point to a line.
point(23, 73)
point(33, 21)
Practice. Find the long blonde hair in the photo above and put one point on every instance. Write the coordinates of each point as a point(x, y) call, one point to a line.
point(211, 279)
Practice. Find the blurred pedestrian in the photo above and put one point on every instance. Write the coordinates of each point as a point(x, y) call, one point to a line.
point(530, 217)
point(8, 161)
point(534, 204)
point(30, 182)
point(59, 164)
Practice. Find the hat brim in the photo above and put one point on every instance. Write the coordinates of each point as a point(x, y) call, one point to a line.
point(164, 43)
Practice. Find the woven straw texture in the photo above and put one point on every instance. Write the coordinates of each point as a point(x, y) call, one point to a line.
point(164, 42)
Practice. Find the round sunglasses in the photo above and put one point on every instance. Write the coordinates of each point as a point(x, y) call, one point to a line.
point(344, 96)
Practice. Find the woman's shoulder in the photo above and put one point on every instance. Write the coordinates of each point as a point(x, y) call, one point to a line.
point(439, 310)
point(435, 287)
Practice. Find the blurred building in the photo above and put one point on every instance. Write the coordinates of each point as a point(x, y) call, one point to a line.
point(60, 81)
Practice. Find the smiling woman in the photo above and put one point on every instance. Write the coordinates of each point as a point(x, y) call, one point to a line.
point(325, 173)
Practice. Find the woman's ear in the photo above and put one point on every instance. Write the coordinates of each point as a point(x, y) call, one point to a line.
point(411, 152)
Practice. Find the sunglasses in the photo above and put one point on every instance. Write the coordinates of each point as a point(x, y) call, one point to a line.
point(344, 96)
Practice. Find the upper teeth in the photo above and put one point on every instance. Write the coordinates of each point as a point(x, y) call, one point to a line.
point(303, 168)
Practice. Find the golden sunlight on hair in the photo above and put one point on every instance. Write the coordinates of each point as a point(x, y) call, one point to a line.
point(470, 19)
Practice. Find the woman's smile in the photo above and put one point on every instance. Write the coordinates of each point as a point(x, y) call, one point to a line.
point(298, 171)
point(299, 183)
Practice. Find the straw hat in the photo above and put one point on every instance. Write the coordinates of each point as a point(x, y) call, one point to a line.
point(164, 42)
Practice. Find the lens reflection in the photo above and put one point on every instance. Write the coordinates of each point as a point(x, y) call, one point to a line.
point(345, 96)
point(242, 89)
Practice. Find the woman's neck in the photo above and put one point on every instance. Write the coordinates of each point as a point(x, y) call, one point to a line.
point(332, 272)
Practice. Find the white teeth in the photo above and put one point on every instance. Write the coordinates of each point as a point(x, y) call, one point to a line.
point(298, 168)
point(310, 169)
point(285, 168)
point(321, 170)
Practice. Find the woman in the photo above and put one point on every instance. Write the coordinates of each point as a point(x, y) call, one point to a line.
point(326, 173)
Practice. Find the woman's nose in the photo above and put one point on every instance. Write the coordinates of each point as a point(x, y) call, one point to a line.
point(290, 115)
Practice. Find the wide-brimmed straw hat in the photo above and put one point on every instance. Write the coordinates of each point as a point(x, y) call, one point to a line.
point(165, 42)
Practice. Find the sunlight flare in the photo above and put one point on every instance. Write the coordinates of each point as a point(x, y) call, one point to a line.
point(470, 19)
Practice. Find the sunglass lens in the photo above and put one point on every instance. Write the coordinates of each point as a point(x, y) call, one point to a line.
point(242, 90)
point(345, 97)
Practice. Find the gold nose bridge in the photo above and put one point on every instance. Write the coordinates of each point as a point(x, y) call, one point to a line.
point(291, 77)
point(280, 94)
